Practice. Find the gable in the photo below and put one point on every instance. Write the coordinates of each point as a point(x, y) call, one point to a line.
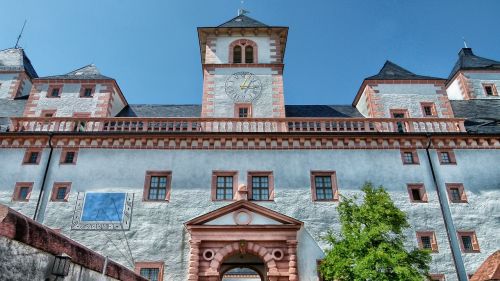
point(243, 213)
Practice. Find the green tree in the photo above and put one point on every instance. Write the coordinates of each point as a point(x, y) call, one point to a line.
point(370, 243)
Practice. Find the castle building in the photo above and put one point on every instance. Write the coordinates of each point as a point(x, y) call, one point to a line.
point(243, 186)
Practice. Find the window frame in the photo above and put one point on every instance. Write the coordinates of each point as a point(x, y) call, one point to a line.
point(84, 87)
point(147, 185)
point(414, 153)
point(461, 190)
point(55, 189)
point(333, 179)
point(238, 106)
point(432, 105)
point(17, 191)
point(422, 191)
point(434, 245)
point(270, 181)
point(451, 156)
point(150, 265)
point(27, 156)
point(52, 88)
point(216, 174)
point(493, 89)
point(64, 152)
point(474, 241)
point(243, 43)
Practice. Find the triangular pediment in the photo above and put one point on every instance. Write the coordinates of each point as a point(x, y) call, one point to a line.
point(243, 213)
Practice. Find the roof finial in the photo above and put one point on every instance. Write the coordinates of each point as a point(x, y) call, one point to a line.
point(465, 43)
point(242, 11)
point(20, 34)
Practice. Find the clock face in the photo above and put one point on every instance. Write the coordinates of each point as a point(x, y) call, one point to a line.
point(243, 86)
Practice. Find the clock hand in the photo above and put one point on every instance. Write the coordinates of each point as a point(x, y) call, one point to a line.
point(242, 86)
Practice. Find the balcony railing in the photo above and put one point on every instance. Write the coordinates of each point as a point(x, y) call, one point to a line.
point(235, 125)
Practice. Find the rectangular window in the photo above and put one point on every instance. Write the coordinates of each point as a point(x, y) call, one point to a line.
point(490, 89)
point(224, 188)
point(456, 193)
point(60, 191)
point(243, 110)
point(87, 91)
point(32, 157)
point(54, 92)
point(22, 191)
point(446, 157)
point(260, 186)
point(428, 109)
point(68, 156)
point(152, 271)
point(427, 240)
point(409, 157)
point(468, 241)
point(417, 193)
point(157, 186)
point(324, 186)
point(223, 185)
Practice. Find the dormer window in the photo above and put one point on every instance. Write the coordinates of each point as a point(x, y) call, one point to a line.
point(490, 90)
point(248, 54)
point(237, 54)
point(54, 91)
point(428, 109)
point(87, 91)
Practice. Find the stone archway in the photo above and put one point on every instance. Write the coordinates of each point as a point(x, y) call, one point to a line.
point(265, 234)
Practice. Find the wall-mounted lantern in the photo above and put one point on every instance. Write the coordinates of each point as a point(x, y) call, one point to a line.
point(61, 265)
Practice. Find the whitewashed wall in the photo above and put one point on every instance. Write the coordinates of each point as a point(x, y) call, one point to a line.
point(69, 101)
point(454, 92)
point(224, 105)
point(402, 96)
point(6, 81)
point(157, 231)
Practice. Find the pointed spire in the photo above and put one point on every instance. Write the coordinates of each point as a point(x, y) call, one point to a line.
point(243, 21)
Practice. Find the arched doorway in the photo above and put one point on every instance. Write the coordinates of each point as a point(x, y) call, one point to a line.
point(245, 267)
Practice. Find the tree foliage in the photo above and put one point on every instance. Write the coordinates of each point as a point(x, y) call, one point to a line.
point(370, 245)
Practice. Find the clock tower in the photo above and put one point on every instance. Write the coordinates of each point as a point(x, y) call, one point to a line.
point(242, 62)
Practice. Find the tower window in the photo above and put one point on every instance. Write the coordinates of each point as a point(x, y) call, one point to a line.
point(447, 157)
point(70, 156)
point(490, 90)
point(22, 191)
point(243, 112)
point(427, 240)
point(55, 92)
point(428, 109)
point(248, 54)
point(32, 157)
point(417, 193)
point(237, 54)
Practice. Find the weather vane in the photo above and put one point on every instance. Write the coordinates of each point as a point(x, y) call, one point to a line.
point(242, 11)
point(465, 42)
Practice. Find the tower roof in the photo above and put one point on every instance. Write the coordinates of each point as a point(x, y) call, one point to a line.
point(90, 72)
point(467, 61)
point(392, 71)
point(15, 59)
point(243, 21)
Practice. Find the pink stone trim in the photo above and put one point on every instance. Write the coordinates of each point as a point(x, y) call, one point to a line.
point(147, 185)
point(335, 189)
point(17, 191)
point(432, 235)
point(216, 174)
point(56, 187)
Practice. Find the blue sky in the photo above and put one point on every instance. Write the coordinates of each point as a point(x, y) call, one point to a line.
point(150, 46)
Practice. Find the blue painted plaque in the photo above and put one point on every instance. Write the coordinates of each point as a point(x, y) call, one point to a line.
point(103, 207)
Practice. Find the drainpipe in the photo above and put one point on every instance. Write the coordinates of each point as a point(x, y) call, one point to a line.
point(36, 216)
point(448, 220)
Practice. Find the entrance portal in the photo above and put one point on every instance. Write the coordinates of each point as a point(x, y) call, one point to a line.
point(243, 235)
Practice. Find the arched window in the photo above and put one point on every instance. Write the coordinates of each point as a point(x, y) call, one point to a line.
point(248, 54)
point(237, 54)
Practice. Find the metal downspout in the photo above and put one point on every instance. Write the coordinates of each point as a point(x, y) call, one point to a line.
point(448, 221)
point(42, 188)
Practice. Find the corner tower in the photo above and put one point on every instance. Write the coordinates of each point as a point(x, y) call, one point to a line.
point(242, 61)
